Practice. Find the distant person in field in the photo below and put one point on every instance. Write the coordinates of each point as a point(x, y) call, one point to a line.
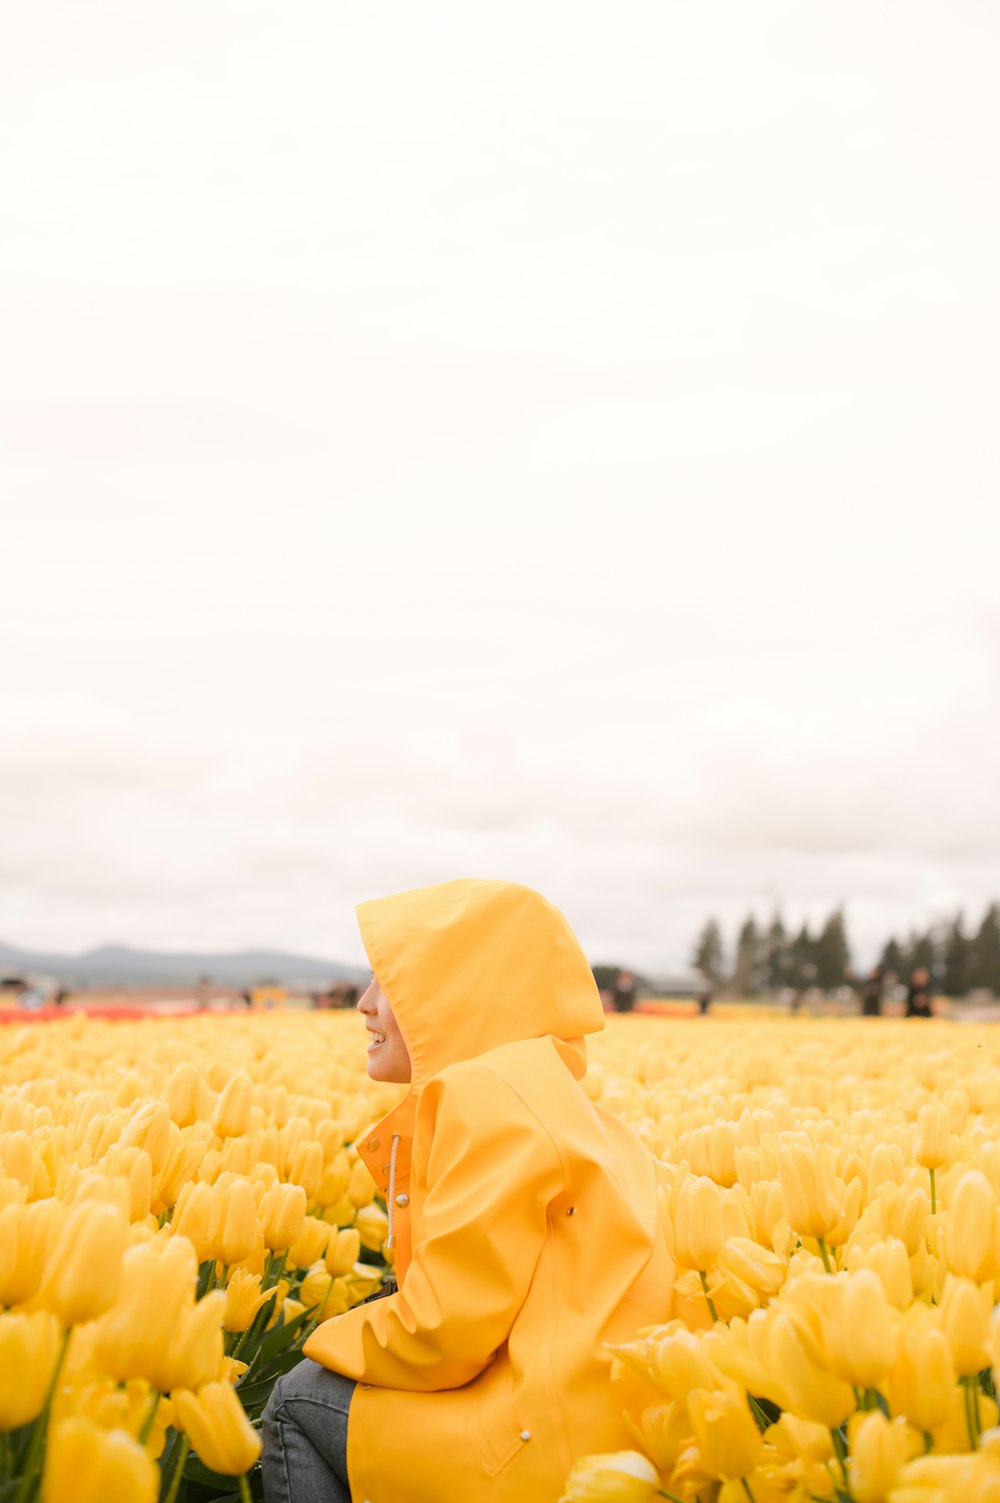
point(704, 993)
point(918, 994)
point(523, 1219)
point(623, 996)
point(871, 992)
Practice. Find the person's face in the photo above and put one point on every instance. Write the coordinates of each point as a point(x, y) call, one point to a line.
point(388, 1057)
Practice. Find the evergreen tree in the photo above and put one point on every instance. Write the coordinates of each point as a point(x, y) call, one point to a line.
point(984, 952)
point(956, 957)
point(708, 951)
point(833, 956)
point(775, 959)
point(802, 960)
point(892, 959)
point(920, 952)
point(746, 976)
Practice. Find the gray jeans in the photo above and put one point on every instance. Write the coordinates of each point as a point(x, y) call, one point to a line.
point(305, 1437)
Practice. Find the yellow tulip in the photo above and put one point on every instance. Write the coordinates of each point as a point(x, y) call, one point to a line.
point(809, 1185)
point(343, 1250)
point(325, 1295)
point(662, 1430)
point(305, 1167)
point(756, 1266)
point(149, 1129)
point(244, 1298)
point(360, 1187)
point(682, 1364)
point(231, 1116)
point(158, 1284)
point(194, 1353)
point(887, 1259)
point(197, 1216)
point(86, 1263)
point(697, 1219)
point(237, 1229)
point(372, 1227)
point(27, 1236)
point(878, 1449)
point(813, 1392)
point(180, 1167)
point(860, 1334)
point(310, 1244)
point(185, 1094)
point(965, 1318)
point(283, 1213)
point(91, 1465)
point(333, 1185)
point(621, 1477)
point(29, 1345)
point(969, 1244)
point(216, 1424)
point(727, 1437)
point(921, 1383)
point(932, 1143)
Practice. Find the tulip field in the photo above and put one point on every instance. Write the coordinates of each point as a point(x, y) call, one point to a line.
point(181, 1203)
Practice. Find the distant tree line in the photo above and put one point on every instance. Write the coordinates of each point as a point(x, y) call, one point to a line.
point(767, 958)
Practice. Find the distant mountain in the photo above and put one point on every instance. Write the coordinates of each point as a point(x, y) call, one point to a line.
point(117, 965)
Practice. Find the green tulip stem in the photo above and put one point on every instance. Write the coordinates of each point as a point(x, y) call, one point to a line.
point(37, 1441)
point(933, 1192)
point(824, 1253)
point(971, 1412)
point(662, 1493)
point(183, 1451)
point(273, 1270)
point(4, 1455)
point(748, 1490)
point(841, 1450)
point(244, 1489)
point(147, 1424)
point(928, 1441)
point(708, 1298)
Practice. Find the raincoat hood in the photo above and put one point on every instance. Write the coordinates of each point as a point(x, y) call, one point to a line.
point(467, 966)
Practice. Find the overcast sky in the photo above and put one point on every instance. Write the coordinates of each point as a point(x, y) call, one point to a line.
point(548, 441)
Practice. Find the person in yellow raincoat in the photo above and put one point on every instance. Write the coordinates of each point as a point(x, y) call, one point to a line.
point(524, 1219)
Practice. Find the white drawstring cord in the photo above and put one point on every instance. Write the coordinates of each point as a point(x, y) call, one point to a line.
point(390, 1241)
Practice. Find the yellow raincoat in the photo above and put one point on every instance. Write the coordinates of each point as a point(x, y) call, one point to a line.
point(525, 1217)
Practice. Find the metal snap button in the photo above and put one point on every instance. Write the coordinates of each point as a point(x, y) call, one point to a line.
point(402, 1200)
point(525, 1434)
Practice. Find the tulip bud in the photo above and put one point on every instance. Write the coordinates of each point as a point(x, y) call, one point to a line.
point(305, 1167)
point(217, 1426)
point(813, 1392)
point(324, 1295)
point(179, 1169)
point(29, 1345)
point(236, 1234)
point(859, 1331)
point(965, 1317)
point(932, 1143)
point(878, 1450)
point(194, 1353)
point(728, 1440)
point(86, 1263)
point(888, 1260)
point(186, 1092)
point(968, 1231)
point(809, 1185)
point(282, 1212)
point(333, 1185)
point(157, 1288)
point(199, 1208)
point(149, 1128)
point(372, 1227)
point(697, 1219)
point(343, 1251)
point(310, 1244)
point(18, 1159)
point(361, 1186)
point(27, 1236)
point(231, 1116)
point(91, 1465)
point(621, 1477)
point(922, 1379)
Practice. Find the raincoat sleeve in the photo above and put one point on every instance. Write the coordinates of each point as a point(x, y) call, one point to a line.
point(492, 1171)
